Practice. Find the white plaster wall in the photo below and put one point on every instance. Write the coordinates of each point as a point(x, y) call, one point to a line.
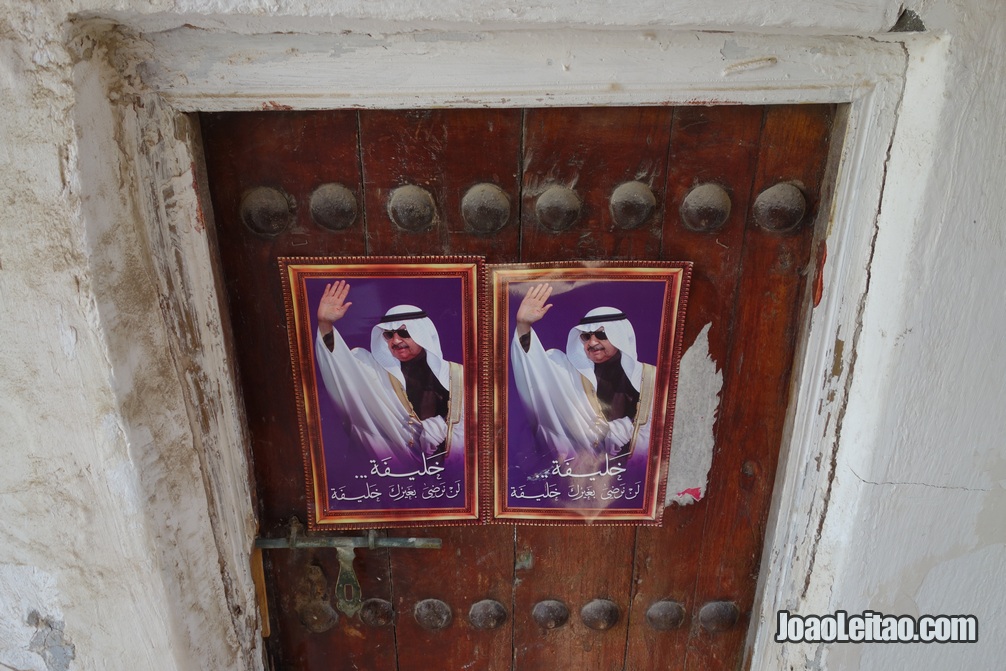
point(922, 468)
point(105, 528)
point(69, 496)
point(107, 555)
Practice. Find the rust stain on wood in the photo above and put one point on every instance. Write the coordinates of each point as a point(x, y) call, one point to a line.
point(258, 577)
point(837, 363)
point(822, 256)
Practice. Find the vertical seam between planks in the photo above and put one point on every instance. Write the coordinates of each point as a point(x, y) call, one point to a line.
point(632, 597)
point(520, 257)
point(665, 210)
point(520, 203)
point(363, 196)
point(394, 608)
point(666, 180)
point(513, 606)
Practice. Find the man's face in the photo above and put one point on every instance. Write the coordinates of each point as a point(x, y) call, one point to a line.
point(402, 348)
point(597, 349)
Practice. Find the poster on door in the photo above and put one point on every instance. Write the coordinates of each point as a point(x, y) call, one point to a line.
point(586, 362)
point(427, 396)
point(385, 361)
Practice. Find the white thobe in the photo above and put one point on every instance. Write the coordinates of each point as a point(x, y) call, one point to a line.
point(377, 414)
point(561, 404)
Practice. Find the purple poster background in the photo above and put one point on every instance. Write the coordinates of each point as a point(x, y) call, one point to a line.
point(352, 484)
point(532, 481)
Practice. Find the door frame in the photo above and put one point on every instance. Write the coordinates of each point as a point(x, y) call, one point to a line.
point(161, 76)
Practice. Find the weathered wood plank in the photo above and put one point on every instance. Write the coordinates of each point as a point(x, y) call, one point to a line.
point(574, 565)
point(475, 563)
point(293, 153)
point(709, 145)
point(446, 152)
point(774, 265)
point(590, 152)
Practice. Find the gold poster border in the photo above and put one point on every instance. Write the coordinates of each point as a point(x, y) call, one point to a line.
point(294, 271)
point(677, 278)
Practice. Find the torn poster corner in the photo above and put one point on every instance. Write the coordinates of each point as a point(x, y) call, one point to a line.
point(693, 440)
point(687, 496)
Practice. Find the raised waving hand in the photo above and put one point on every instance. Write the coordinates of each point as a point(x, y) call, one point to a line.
point(333, 305)
point(533, 307)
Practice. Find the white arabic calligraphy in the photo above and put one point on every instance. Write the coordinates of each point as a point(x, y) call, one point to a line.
point(398, 492)
point(340, 494)
point(518, 493)
point(442, 491)
point(427, 469)
point(565, 470)
point(576, 492)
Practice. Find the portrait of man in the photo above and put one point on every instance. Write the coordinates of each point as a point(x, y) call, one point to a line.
point(590, 403)
point(385, 363)
point(586, 363)
point(401, 402)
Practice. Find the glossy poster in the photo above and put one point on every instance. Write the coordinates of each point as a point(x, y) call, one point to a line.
point(585, 363)
point(386, 368)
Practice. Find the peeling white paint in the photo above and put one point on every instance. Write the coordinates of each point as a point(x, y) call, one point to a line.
point(25, 590)
point(518, 68)
point(67, 336)
point(851, 16)
point(122, 482)
point(700, 381)
point(752, 64)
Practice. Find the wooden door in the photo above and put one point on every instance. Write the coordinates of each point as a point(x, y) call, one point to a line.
point(683, 592)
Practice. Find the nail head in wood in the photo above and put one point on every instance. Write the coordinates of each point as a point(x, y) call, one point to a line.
point(485, 208)
point(717, 616)
point(780, 208)
point(706, 208)
point(266, 211)
point(550, 614)
point(600, 614)
point(665, 615)
point(433, 614)
point(412, 208)
point(333, 206)
point(557, 208)
point(632, 205)
point(377, 612)
point(487, 614)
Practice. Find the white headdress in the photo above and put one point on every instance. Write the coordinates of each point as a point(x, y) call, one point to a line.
point(620, 333)
point(421, 330)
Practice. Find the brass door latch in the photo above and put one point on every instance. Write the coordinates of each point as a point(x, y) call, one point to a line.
point(348, 594)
